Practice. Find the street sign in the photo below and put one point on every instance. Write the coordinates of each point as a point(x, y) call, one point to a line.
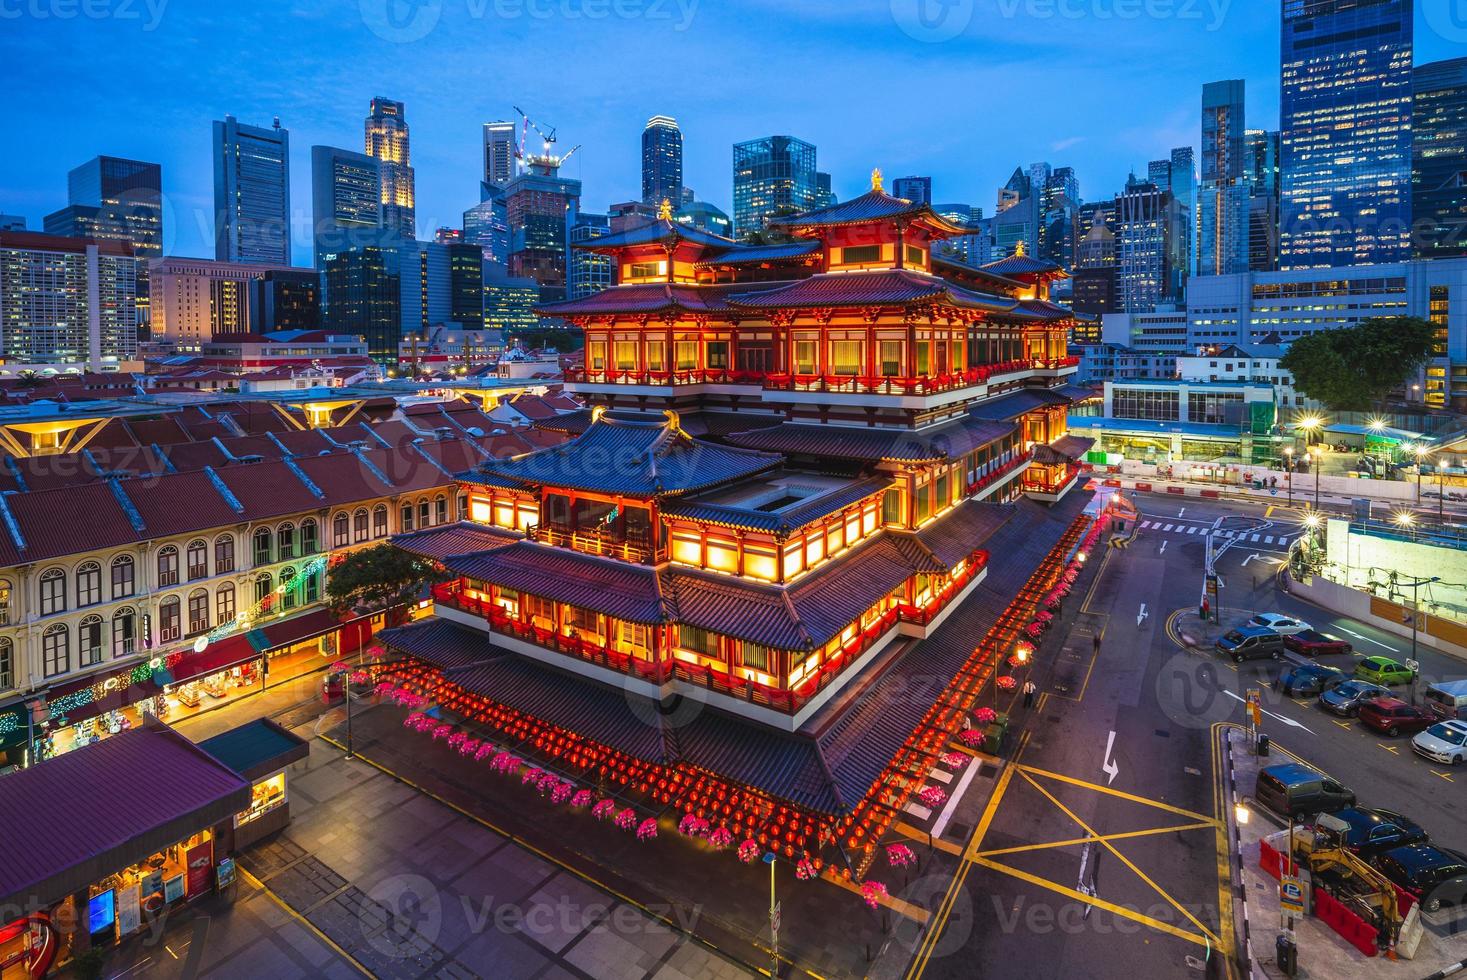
point(1291, 895)
point(774, 920)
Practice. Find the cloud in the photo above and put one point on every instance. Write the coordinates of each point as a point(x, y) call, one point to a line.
point(1059, 146)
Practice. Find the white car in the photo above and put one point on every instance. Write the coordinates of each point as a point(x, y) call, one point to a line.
point(1279, 623)
point(1443, 742)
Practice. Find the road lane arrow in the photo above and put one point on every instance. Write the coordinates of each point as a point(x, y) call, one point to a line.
point(1287, 721)
point(1110, 767)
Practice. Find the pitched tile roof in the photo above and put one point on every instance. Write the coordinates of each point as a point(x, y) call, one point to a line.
point(616, 588)
point(656, 297)
point(760, 254)
point(943, 441)
point(656, 230)
point(958, 533)
point(442, 643)
point(462, 538)
point(1065, 449)
point(782, 521)
point(641, 459)
point(1022, 265)
point(884, 287)
point(874, 205)
point(1017, 403)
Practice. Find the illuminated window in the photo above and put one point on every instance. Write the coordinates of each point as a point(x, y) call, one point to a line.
point(754, 656)
point(717, 353)
point(856, 254)
point(804, 357)
point(759, 562)
point(687, 354)
point(480, 511)
point(891, 508)
point(915, 256)
point(688, 549)
point(646, 270)
point(835, 538)
point(794, 559)
point(697, 640)
point(656, 355)
point(625, 352)
point(814, 550)
point(891, 358)
point(845, 357)
point(723, 556)
point(596, 355)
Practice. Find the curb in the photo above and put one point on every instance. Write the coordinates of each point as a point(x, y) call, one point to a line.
point(1235, 862)
point(1448, 971)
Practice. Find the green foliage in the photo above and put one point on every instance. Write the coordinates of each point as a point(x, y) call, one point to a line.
point(1356, 368)
point(88, 965)
point(378, 577)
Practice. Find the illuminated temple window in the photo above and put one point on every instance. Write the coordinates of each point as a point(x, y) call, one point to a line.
point(760, 562)
point(723, 556)
point(687, 354)
point(890, 358)
point(656, 356)
point(687, 549)
point(802, 670)
point(481, 511)
point(696, 640)
point(626, 355)
point(633, 637)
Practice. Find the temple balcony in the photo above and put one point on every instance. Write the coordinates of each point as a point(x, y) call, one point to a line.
point(987, 483)
point(634, 545)
point(1057, 367)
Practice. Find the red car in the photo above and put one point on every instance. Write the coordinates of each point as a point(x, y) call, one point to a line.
point(1313, 643)
point(1392, 716)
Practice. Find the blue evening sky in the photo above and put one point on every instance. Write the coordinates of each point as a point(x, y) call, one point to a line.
point(964, 90)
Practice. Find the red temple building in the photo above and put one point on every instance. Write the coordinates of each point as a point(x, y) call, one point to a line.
point(799, 461)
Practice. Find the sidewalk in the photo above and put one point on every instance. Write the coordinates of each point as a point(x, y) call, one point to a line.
point(1303, 495)
point(1322, 952)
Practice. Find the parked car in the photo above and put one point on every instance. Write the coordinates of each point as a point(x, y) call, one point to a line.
point(1447, 700)
point(1446, 741)
point(1250, 643)
point(1432, 875)
point(1383, 670)
point(1345, 699)
point(1393, 716)
point(1279, 623)
point(1313, 643)
point(1292, 790)
point(1310, 679)
point(1370, 831)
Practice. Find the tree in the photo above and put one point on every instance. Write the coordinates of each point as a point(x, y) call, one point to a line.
point(378, 577)
point(1354, 369)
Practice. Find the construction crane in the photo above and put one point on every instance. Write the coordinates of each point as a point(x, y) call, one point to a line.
point(546, 157)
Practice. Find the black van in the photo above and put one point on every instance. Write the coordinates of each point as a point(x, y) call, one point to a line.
point(1292, 790)
point(1251, 643)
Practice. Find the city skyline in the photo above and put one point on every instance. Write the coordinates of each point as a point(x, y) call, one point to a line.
point(1003, 56)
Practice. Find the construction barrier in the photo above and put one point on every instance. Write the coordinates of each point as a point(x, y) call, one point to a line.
point(1270, 860)
point(1353, 929)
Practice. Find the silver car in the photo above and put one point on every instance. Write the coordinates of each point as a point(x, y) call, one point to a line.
point(1444, 742)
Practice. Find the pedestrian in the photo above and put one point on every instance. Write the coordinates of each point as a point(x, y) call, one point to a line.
point(1095, 643)
point(1030, 689)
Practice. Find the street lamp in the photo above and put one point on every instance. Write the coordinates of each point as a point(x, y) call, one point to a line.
point(1421, 458)
point(769, 859)
point(1415, 607)
point(1314, 459)
point(1289, 477)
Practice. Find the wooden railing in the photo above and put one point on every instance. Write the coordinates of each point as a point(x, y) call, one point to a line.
point(993, 476)
point(635, 546)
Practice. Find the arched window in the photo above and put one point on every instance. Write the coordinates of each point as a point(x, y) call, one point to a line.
point(285, 541)
point(124, 579)
point(223, 554)
point(5, 597)
point(198, 559)
point(53, 591)
point(198, 611)
point(359, 524)
point(262, 587)
point(440, 509)
point(124, 631)
point(379, 521)
point(311, 591)
point(340, 531)
point(7, 664)
point(262, 546)
point(170, 619)
point(424, 513)
point(55, 651)
point(310, 539)
point(88, 584)
point(290, 594)
point(167, 565)
point(89, 641)
point(405, 518)
point(224, 604)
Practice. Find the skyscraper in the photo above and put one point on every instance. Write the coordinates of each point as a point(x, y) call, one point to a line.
point(486, 224)
point(918, 190)
point(346, 205)
point(1222, 199)
point(387, 141)
point(1016, 219)
point(1261, 161)
point(1177, 175)
point(1345, 132)
point(772, 176)
point(1439, 160)
point(1059, 205)
point(540, 206)
point(1150, 247)
point(662, 161)
point(499, 161)
point(67, 301)
point(115, 200)
point(251, 193)
point(590, 272)
point(824, 194)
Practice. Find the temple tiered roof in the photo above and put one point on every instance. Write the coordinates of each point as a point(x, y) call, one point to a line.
point(885, 287)
point(872, 207)
point(943, 441)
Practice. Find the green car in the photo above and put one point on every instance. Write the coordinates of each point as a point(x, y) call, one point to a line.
point(1383, 670)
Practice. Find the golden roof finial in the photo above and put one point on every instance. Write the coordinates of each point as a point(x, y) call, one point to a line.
point(1020, 249)
point(876, 178)
point(664, 213)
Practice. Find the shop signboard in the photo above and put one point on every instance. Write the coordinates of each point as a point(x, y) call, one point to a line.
point(200, 860)
point(129, 910)
point(173, 889)
point(152, 883)
point(226, 873)
point(102, 913)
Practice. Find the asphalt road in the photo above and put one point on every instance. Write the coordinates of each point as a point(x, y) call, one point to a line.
point(1121, 748)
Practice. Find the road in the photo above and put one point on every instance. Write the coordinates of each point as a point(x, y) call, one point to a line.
point(1111, 801)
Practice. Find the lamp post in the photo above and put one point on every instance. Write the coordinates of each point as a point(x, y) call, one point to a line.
point(1314, 460)
point(769, 859)
point(1421, 458)
point(1289, 476)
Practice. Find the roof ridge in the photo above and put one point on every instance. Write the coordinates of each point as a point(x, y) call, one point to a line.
point(15, 471)
point(129, 509)
point(11, 524)
point(235, 504)
point(300, 474)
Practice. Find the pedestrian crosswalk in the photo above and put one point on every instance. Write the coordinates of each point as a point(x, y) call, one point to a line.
point(1272, 539)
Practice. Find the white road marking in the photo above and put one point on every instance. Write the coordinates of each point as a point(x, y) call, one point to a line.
point(1110, 766)
point(1163, 548)
point(956, 795)
point(1145, 524)
point(1140, 616)
point(1254, 538)
point(1192, 529)
point(1362, 636)
point(1268, 539)
point(1286, 721)
point(1181, 512)
point(1168, 527)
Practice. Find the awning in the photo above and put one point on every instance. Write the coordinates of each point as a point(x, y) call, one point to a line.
point(257, 748)
point(227, 653)
point(286, 632)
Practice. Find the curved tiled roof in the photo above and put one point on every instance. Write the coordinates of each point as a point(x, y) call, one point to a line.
point(638, 459)
point(756, 254)
point(1012, 405)
point(616, 588)
point(650, 297)
point(656, 230)
point(885, 287)
point(1045, 309)
point(943, 441)
point(942, 263)
point(874, 205)
point(462, 538)
point(1023, 265)
point(783, 521)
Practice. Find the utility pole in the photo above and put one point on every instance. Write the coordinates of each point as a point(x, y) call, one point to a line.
point(769, 859)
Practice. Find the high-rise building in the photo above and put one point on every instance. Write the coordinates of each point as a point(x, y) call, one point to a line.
point(590, 272)
point(1261, 162)
point(1059, 205)
point(540, 206)
point(286, 299)
point(346, 205)
point(1016, 219)
point(448, 236)
point(918, 190)
point(465, 284)
point(707, 217)
point(499, 153)
point(486, 224)
point(114, 200)
point(772, 176)
point(251, 193)
point(1150, 248)
point(662, 161)
point(1345, 132)
point(67, 300)
point(509, 301)
point(195, 300)
point(824, 195)
point(1222, 198)
point(12, 222)
point(386, 293)
point(1439, 160)
point(1177, 175)
point(387, 142)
